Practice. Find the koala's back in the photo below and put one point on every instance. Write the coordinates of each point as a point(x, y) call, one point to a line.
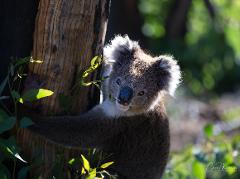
point(140, 150)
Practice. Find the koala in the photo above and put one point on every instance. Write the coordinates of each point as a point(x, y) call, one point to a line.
point(130, 123)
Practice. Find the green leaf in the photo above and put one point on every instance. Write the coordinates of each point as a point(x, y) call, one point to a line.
point(96, 61)
point(10, 146)
point(3, 84)
point(17, 155)
point(35, 94)
point(22, 174)
point(6, 123)
point(228, 158)
point(231, 169)
point(105, 165)
point(86, 164)
point(25, 122)
point(15, 95)
point(71, 161)
point(22, 61)
point(198, 170)
point(83, 171)
point(20, 100)
point(35, 61)
point(208, 130)
point(92, 174)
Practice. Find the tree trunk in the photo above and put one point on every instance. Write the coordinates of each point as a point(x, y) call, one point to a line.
point(68, 34)
point(176, 22)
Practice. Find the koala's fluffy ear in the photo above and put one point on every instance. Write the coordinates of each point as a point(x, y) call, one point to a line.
point(119, 48)
point(168, 75)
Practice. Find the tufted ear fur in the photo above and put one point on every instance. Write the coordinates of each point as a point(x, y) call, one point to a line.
point(168, 73)
point(119, 48)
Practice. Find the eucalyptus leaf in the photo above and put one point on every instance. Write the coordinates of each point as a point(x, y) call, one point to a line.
point(83, 171)
point(231, 169)
point(35, 61)
point(198, 170)
point(71, 161)
point(26, 122)
point(11, 147)
point(22, 61)
point(15, 95)
point(92, 174)
point(105, 165)
point(6, 123)
point(96, 61)
point(35, 94)
point(17, 155)
point(86, 164)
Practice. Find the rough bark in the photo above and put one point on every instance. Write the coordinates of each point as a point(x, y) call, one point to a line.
point(68, 34)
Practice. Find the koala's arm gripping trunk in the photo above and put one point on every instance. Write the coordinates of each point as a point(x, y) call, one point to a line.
point(92, 129)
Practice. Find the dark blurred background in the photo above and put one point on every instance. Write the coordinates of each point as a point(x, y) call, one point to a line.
point(204, 35)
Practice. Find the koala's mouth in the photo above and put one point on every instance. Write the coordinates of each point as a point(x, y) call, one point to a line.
point(119, 104)
point(122, 107)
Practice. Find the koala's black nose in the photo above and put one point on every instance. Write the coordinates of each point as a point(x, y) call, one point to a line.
point(125, 95)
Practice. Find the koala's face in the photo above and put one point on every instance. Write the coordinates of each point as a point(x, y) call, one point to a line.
point(131, 92)
point(137, 79)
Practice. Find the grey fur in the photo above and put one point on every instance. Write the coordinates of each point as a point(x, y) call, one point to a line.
point(136, 135)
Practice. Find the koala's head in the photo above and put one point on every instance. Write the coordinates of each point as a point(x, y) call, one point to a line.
point(137, 80)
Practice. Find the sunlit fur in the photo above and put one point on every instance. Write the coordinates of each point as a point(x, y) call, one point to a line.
point(125, 61)
point(135, 136)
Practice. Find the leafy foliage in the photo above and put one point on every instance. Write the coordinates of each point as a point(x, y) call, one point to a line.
point(95, 63)
point(208, 51)
point(97, 169)
point(9, 150)
point(217, 157)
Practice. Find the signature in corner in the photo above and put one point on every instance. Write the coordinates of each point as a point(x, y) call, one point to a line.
point(219, 166)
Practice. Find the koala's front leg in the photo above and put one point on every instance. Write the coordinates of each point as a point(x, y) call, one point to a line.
point(93, 129)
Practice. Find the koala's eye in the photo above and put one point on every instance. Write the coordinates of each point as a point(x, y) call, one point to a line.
point(140, 93)
point(118, 81)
